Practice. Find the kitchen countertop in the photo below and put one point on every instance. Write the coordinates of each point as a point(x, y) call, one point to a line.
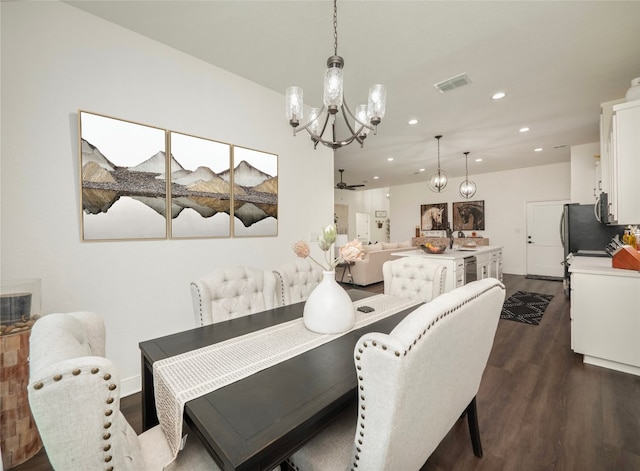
point(599, 266)
point(449, 254)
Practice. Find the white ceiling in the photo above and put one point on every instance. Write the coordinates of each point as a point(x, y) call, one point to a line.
point(557, 61)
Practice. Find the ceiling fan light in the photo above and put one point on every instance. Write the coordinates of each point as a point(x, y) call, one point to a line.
point(294, 104)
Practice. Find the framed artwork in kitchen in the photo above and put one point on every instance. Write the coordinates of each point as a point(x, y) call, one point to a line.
point(200, 187)
point(468, 216)
point(122, 179)
point(434, 217)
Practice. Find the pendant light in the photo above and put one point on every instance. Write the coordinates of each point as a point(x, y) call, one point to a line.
point(467, 187)
point(366, 117)
point(438, 180)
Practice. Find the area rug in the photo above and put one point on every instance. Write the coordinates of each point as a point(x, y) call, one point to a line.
point(525, 307)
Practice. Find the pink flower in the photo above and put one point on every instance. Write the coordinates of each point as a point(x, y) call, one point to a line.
point(352, 251)
point(301, 249)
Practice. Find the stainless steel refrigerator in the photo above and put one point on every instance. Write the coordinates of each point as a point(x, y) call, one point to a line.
point(583, 235)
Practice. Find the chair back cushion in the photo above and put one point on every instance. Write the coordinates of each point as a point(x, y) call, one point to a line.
point(416, 382)
point(232, 292)
point(414, 278)
point(74, 394)
point(296, 280)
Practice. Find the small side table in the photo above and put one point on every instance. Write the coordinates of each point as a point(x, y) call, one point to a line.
point(346, 268)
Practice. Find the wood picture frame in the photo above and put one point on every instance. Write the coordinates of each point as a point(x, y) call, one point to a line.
point(200, 187)
point(468, 216)
point(122, 179)
point(434, 217)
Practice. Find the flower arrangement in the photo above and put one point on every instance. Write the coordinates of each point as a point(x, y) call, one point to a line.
point(350, 252)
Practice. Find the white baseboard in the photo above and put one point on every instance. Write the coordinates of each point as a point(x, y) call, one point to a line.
point(130, 385)
point(612, 365)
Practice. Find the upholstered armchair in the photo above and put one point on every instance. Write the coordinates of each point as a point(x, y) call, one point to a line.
point(74, 394)
point(414, 384)
point(414, 278)
point(296, 280)
point(232, 292)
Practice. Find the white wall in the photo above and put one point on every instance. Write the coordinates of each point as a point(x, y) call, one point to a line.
point(505, 195)
point(366, 201)
point(583, 172)
point(56, 60)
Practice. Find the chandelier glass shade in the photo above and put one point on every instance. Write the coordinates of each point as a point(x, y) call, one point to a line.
point(467, 188)
point(321, 122)
point(438, 181)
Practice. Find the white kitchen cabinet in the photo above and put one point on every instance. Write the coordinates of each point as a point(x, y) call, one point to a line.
point(621, 164)
point(490, 258)
point(605, 314)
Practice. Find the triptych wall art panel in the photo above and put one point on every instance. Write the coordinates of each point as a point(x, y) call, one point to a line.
point(127, 169)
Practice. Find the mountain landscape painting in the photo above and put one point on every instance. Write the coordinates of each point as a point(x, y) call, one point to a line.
point(124, 190)
point(200, 197)
point(255, 193)
point(131, 190)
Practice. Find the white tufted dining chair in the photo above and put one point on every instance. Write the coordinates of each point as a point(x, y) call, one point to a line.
point(296, 280)
point(413, 385)
point(414, 278)
point(232, 292)
point(74, 394)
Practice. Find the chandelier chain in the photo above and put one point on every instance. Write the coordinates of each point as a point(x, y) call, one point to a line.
point(466, 165)
point(335, 27)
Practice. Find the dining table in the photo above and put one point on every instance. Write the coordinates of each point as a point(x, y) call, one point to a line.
point(256, 422)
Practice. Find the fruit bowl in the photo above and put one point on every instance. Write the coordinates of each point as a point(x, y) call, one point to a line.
point(432, 248)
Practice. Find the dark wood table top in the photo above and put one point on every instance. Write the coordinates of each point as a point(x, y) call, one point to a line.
point(257, 422)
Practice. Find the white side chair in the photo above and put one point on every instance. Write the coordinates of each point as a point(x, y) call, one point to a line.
point(414, 278)
point(74, 394)
point(232, 292)
point(413, 385)
point(296, 280)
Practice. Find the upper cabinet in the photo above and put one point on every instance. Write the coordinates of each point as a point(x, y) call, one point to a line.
point(620, 160)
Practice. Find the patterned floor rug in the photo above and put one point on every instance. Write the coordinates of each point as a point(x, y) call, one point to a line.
point(525, 307)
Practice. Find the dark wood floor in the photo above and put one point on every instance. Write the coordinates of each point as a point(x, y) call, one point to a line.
point(539, 406)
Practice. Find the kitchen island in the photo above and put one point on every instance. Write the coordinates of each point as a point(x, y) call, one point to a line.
point(605, 314)
point(488, 263)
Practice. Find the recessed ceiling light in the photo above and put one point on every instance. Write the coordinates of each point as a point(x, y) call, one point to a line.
point(498, 95)
point(422, 170)
point(376, 177)
point(538, 149)
point(390, 159)
point(478, 160)
point(525, 129)
point(413, 121)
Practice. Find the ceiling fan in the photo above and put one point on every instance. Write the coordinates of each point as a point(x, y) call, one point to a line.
point(343, 186)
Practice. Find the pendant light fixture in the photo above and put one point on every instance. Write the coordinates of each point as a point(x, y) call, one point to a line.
point(467, 187)
point(438, 180)
point(367, 117)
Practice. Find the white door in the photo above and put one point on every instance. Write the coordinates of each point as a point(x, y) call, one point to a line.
point(363, 228)
point(544, 247)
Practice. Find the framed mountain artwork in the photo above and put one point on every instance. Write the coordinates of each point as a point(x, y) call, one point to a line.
point(123, 180)
point(200, 187)
point(255, 193)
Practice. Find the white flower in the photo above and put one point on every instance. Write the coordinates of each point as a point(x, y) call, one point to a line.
point(351, 252)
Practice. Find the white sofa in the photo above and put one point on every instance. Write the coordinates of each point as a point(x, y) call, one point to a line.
point(369, 270)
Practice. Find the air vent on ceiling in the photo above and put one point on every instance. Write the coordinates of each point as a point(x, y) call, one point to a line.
point(560, 146)
point(453, 82)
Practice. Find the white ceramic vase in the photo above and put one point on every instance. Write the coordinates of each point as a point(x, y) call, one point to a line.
point(634, 91)
point(329, 309)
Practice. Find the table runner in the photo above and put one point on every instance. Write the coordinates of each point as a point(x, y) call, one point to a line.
point(193, 374)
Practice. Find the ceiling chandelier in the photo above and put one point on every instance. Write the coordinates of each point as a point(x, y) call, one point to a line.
point(467, 187)
point(438, 180)
point(366, 118)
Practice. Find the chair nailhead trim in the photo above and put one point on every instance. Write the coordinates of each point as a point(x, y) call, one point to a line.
point(76, 372)
point(57, 377)
point(94, 370)
point(397, 354)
